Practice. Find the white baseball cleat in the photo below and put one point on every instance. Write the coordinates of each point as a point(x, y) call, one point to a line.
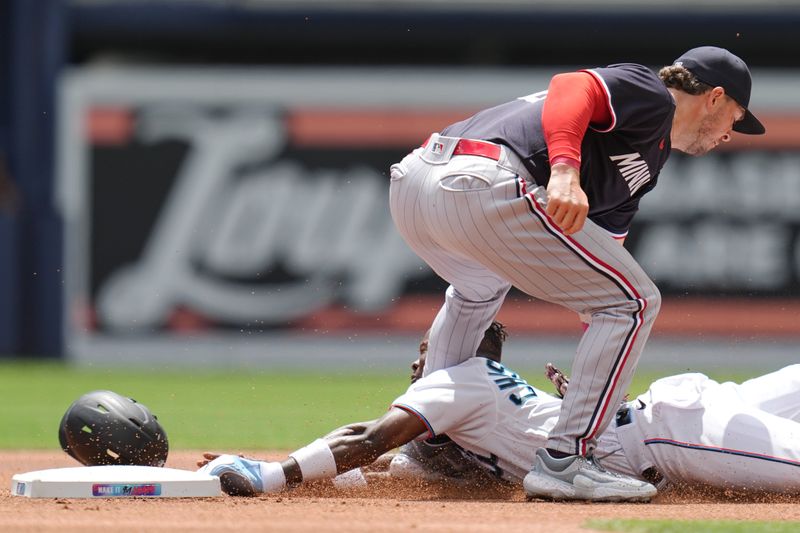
point(237, 476)
point(579, 478)
point(403, 466)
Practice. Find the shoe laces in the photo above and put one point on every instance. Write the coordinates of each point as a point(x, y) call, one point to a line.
point(594, 460)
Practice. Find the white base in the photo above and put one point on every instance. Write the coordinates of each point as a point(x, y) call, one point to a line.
point(114, 482)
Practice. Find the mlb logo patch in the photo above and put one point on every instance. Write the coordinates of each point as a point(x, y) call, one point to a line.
point(437, 148)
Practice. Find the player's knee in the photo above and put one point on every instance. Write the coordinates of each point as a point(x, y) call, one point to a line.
point(646, 304)
point(651, 297)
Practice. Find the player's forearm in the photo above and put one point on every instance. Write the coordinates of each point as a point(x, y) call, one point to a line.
point(362, 448)
point(349, 429)
point(352, 446)
point(343, 450)
point(363, 443)
point(353, 451)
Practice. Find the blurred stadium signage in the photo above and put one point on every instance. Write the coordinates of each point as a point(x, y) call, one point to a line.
point(228, 204)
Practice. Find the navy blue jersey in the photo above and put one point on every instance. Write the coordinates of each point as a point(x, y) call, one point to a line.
point(618, 164)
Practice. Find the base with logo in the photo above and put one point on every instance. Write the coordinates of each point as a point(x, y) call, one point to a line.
point(115, 482)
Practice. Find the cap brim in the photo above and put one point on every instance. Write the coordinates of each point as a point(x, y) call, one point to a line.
point(749, 125)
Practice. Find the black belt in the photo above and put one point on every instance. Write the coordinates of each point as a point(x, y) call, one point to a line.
point(623, 418)
point(624, 415)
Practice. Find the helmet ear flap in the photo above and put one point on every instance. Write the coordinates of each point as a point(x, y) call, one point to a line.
point(63, 440)
point(105, 428)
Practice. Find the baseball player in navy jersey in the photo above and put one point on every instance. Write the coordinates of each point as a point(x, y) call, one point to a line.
point(684, 429)
point(534, 193)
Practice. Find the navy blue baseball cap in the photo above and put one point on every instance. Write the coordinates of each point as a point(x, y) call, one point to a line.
point(720, 68)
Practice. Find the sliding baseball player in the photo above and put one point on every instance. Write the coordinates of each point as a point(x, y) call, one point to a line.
point(685, 428)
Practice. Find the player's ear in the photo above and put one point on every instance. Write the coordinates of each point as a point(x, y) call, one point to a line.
point(716, 96)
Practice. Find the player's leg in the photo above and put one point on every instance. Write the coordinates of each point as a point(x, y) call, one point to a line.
point(587, 272)
point(750, 449)
point(455, 331)
point(475, 293)
point(777, 392)
point(702, 432)
point(340, 452)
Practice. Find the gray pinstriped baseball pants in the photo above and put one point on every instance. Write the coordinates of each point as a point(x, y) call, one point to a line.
point(474, 221)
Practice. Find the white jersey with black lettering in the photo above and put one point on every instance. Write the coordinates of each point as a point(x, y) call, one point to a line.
point(486, 409)
point(688, 427)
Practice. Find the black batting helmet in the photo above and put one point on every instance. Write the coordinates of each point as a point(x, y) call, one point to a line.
point(105, 428)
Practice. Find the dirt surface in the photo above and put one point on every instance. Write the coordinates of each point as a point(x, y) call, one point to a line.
point(384, 506)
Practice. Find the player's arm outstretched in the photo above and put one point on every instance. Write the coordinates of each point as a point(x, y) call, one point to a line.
point(340, 452)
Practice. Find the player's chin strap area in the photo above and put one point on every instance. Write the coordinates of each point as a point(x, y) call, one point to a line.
point(623, 418)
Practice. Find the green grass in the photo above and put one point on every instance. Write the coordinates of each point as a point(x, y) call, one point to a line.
point(241, 409)
point(207, 410)
point(695, 526)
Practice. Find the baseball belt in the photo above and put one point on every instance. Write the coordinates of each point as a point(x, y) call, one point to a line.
point(471, 147)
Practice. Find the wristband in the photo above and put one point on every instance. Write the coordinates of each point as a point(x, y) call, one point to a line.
point(562, 159)
point(272, 476)
point(315, 461)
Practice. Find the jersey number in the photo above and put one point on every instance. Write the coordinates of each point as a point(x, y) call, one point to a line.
point(507, 379)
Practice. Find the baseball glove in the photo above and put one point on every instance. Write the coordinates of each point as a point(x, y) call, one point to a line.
point(557, 378)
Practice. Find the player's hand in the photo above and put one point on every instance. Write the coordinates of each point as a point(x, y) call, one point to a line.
point(208, 457)
point(567, 204)
point(557, 378)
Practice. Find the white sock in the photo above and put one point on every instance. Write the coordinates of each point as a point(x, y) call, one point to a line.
point(272, 476)
point(315, 461)
point(351, 479)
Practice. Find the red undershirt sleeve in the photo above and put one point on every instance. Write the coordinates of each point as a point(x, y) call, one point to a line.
point(574, 100)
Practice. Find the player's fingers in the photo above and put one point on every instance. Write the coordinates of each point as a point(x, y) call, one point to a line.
point(568, 221)
point(579, 220)
point(553, 204)
point(557, 212)
point(575, 226)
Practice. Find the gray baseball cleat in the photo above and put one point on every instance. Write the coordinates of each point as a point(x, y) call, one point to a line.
point(580, 478)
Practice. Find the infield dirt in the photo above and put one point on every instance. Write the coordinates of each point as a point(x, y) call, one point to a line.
point(383, 506)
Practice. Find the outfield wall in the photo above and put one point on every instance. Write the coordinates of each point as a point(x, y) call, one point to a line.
point(238, 208)
point(39, 39)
